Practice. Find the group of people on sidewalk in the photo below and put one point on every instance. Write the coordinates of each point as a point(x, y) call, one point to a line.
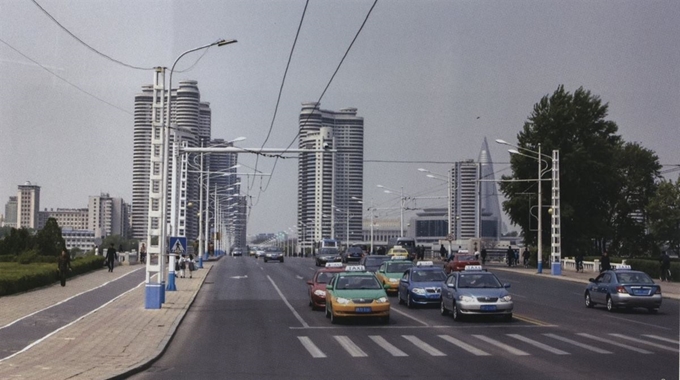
point(185, 263)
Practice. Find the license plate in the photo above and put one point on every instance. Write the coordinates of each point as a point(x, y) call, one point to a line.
point(363, 310)
point(488, 307)
point(640, 292)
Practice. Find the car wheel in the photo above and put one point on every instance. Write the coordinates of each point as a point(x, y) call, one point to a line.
point(610, 304)
point(334, 319)
point(588, 300)
point(401, 301)
point(385, 320)
point(409, 301)
point(456, 313)
point(328, 312)
point(265, 260)
point(311, 303)
point(281, 260)
point(442, 309)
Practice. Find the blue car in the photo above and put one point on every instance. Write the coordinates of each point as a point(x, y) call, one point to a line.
point(421, 285)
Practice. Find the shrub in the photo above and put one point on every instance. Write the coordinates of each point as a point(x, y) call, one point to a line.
point(7, 258)
point(27, 257)
point(653, 268)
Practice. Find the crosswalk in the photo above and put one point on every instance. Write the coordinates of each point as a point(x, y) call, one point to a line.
point(485, 345)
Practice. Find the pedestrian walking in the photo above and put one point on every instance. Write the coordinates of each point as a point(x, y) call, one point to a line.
point(483, 254)
point(191, 265)
point(510, 255)
point(665, 261)
point(605, 264)
point(525, 257)
point(442, 252)
point(111, 255)
point(63, 266)
point(142, 253)
point(182, 262)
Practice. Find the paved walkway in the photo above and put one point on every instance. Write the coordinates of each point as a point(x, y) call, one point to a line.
point(122, 336)
point(109, 342)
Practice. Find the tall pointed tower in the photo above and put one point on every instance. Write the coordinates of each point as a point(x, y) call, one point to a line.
point(490, 209)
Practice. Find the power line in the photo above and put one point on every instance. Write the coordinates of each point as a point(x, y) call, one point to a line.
point(86, 45)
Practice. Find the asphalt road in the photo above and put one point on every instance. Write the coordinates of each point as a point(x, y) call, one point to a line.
point(251, 320)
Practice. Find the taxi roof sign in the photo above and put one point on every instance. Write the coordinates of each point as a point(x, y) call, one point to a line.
point(622, 266)
point(398, 257)
point(333, 265)
point(473, 267)
point(355, 268)
point(425, 264)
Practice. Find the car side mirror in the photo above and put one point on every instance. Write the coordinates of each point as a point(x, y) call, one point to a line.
point(506, 285)
point(591, 280)
point(450, 286)
point(309, 282)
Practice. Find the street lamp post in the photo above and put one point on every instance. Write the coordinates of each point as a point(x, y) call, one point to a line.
point(555, 245)
point(448, 180)
point(403, 201)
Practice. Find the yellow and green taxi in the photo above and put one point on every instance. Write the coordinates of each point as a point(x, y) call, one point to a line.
point(398, 251)
point(356, 293)
point(390, 273)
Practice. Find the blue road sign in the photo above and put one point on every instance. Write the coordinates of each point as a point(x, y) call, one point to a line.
point(178, 244)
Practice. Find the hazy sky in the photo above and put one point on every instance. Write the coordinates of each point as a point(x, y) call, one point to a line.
point(430, 78)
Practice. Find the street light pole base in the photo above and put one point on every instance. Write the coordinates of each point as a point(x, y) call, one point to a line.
point(152, 298)
point(540, 268)
point(556, 269)
point(171, 283)
point(200, 262)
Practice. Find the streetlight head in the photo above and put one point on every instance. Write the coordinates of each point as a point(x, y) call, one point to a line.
point(423, 170)
point(500, 141)
point(380, 186)
point(430, 176)
point(241, 138)
point(225, 42)
point(387, 191)
point(513, 151)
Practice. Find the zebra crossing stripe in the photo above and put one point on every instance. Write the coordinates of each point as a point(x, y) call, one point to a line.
point(349, 346)
point(423, 346)
point(578, 344)
point(311, 347)
point(539, 344)
point(389, 347)
point(645, 342)
point(510, 349)
point(662, 338)
point(640, 350)
point(467, 347)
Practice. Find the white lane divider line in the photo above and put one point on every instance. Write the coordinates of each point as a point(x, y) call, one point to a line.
point(540, 345)
point(467, 347)
point(617, 344)
point(423, 346)
point(311, 347)
point(510, 349)
point(661, 338)
point(392, 309)
point(389, 347)
point(645, 342)
point(578, 344)
point(350, 347)
point(295, 313)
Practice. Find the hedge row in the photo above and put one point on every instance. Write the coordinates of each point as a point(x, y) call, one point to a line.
point(653, 268)
point(15, 278)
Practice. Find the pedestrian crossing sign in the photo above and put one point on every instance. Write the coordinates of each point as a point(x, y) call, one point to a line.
point(178, 244)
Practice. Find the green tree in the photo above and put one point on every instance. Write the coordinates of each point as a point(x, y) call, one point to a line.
point(49, 241)
point(18, 241)
point(576, 125)
point(663, 213)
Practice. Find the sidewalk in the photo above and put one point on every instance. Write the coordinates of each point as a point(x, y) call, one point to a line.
point(110, 342)
point(668, 289)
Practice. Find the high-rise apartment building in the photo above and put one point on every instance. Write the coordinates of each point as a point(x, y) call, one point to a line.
point(330, 182)
point(107, 216)
point(28, 205)
point(11, 212)
point(190, 120)
point(465, 200)
point(74, 218)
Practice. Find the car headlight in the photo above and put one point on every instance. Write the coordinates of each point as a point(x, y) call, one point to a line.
point(466, 298)
point(419, 291)
point(394, 280)
point(269, 255)
point(342, 301)
point(507, 298)
point(320, 293)
point(381, 300)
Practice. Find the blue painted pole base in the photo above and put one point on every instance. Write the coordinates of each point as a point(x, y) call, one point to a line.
point(152, 299)
point(162, 291)
point(171, 287)
point(556, 269)
point(200, 262)
point(540, 267)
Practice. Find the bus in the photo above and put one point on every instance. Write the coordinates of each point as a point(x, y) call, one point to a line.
point(327, 243)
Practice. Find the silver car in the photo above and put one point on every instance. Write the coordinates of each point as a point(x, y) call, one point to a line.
point(474, 291)
point(623, 288)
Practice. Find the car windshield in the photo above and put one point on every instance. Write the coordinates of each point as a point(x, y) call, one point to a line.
point(428, 276)
point(376, 260)
point(358, 282)
point(324, 277)
point(398, 267)
point(634, 278)
point(465, 258)
point(478, 280)
point(328, 251)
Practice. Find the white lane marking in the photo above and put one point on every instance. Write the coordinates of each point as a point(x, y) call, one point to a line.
point(645, 342)
point(597, 338)
point(67, 299)
point(467, 347)
point(578, 344)
point(298, 277)
point(640, 323)
point(389, 347)
point(70, 324)
point(423, 346)
point(539, 344)
point(295, 313)
point(349, 346)
point(311, 347)
point(409, 316)
point(502, 345)
point(661, 338)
